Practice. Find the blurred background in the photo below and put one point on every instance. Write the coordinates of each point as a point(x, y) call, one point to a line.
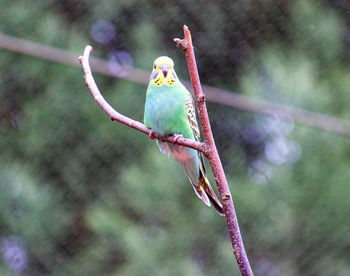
point(81, 195)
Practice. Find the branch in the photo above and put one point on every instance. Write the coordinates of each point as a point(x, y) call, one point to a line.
point(213, 157)
point(116, 116)
point(216, 95)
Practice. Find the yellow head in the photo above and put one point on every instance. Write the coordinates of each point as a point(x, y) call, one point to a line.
point(163, 72)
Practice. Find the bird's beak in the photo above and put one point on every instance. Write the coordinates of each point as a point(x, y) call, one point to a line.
point(165, 69)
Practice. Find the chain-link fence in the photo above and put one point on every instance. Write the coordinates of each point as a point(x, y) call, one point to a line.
point(81, 195)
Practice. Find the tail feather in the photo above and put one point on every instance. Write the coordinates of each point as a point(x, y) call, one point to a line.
point(193, 164)
point(209, 193)
point(200, 192)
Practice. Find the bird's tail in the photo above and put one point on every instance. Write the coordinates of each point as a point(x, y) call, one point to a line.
point(207, 194)
point(193, 164)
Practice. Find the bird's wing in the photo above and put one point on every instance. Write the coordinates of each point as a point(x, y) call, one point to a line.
point(203, 188)
point(191, 115)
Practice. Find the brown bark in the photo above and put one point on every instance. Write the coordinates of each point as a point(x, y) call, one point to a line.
point(212, 155)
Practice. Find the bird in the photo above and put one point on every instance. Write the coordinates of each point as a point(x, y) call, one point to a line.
point(169, 111)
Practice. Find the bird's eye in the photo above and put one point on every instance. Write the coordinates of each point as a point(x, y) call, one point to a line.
point(154, 66)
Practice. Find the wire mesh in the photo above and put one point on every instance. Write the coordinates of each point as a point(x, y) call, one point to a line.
point(81, 195)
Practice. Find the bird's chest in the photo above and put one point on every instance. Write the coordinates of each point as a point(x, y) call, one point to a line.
point(164, 111)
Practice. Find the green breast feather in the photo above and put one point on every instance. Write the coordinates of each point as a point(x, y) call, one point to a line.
point(165, 111)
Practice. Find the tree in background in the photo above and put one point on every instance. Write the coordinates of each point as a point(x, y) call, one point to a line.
point(80, 195)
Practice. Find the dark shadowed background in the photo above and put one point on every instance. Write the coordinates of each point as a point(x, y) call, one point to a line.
point(81, 195)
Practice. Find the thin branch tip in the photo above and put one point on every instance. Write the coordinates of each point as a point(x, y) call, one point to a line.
point(177, 41)
point(89, 48)
point(181, 43)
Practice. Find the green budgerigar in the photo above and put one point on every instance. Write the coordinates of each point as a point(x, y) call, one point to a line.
point(169, 110)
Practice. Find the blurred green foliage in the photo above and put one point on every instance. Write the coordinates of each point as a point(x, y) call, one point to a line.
point(81, 195)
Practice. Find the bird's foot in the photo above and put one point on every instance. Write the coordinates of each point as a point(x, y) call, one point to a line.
point(177, 137)
point(152, 134)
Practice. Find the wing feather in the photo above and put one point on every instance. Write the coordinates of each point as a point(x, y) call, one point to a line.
point(191, 116)
point(203, 189)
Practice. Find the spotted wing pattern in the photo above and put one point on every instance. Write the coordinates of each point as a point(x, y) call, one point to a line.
point(191, 116)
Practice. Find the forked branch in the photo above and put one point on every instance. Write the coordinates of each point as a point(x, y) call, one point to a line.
point(207, 147)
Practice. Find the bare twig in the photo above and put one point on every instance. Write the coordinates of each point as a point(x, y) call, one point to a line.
point(116, 116)
point(213, 157)
point(213, 94)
